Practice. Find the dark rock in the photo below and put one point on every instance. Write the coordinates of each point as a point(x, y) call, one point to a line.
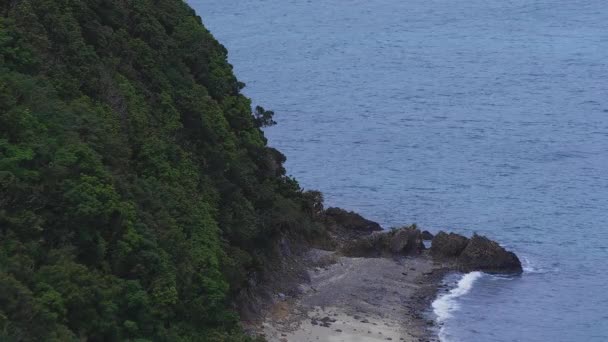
point(326, 319)
point(448, 245)
point(486, 255)
point(374, 245)
point(402, 241)
point(476, 254)
point(343, 227)
point(407, 241)
point(350, 220)
point(426, 235)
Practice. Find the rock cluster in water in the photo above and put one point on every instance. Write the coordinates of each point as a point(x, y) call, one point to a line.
point(475, 254)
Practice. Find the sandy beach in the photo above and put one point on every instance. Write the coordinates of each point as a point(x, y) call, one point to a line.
point(358, 299)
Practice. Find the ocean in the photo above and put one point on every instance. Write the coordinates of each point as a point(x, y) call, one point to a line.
point(487, 116)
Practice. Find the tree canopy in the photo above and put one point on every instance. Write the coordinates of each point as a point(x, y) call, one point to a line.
point(137, 191)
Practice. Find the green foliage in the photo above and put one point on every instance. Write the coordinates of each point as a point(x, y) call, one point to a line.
point(137, 193)
point(263, 117)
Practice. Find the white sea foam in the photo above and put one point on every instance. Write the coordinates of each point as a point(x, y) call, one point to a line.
point(530, 267)
point(446, 304)
point(527, 265)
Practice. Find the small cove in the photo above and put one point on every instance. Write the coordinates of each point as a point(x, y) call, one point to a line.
point(476, 116)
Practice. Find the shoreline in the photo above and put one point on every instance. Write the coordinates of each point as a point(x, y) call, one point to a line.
point(369, 285)
point(358, 299)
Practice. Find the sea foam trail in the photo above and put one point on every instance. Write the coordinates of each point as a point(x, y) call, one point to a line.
point(530, 267)
point(444, 305)
point(527, 265)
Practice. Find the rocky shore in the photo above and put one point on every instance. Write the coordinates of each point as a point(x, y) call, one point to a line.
point(371, 285)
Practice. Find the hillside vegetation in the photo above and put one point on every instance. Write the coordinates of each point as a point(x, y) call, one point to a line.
point(137, 191)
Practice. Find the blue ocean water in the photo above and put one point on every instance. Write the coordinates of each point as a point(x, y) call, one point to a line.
point(486, 116)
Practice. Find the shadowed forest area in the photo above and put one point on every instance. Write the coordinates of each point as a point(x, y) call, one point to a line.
point(137, 190)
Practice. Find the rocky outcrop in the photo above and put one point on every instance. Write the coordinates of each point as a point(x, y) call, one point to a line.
point(475, 254)
point(406, 241)
point(350, 220)
point(486, 255)
point(446, 245)
point(402, 241)
point(346, 226)
point(427, 236)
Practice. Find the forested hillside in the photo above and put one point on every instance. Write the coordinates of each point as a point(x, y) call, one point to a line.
point(137, 192)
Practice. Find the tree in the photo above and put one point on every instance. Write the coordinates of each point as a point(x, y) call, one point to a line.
point(263, 118)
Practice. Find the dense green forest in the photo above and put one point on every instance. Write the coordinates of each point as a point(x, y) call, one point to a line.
point(137, 190)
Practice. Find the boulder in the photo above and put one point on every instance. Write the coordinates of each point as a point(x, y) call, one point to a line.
point(426, 235)
point(483, 254)
point(373, 245)
point(446, 245)
point(475, 254)
point(407, 241)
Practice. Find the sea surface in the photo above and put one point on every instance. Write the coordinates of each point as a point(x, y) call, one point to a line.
point(487, 116)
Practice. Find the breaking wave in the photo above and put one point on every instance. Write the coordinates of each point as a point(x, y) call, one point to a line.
point(446, 304)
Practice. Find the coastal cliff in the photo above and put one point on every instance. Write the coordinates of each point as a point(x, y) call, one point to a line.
point(139, 200)
point(138, 196)
point(371, 285)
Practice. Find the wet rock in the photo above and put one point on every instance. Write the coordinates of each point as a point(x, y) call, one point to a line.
point(475, 254)
point(448, 245)
point(486, 255)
